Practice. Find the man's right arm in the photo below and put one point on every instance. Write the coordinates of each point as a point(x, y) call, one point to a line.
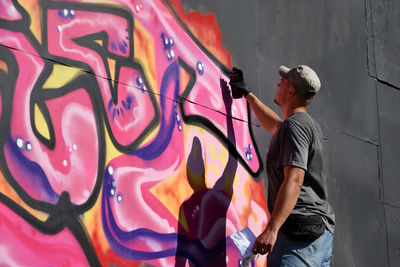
point(267, 117)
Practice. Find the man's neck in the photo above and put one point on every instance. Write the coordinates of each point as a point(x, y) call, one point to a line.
point(290, 110)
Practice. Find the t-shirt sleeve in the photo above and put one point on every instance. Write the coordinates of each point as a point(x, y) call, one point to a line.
point(294, 144)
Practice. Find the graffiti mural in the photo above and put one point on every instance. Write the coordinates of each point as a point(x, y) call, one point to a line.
point(120, 144)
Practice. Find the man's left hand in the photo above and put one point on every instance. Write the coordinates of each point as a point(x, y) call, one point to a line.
point(238, 86)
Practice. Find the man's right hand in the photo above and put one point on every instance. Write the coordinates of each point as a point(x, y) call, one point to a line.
point(265, 242)
point(238, 86)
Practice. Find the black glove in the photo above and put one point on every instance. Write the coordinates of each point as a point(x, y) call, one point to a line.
point(239, 88)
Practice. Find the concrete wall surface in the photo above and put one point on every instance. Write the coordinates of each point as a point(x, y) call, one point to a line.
point(353, 46)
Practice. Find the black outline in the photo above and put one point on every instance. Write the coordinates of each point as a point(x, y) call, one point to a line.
point(204, 122)
point(64, 213)
point(223, 67)
point(88, 42)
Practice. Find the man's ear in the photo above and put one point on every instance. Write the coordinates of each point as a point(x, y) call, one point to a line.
point(292, 91)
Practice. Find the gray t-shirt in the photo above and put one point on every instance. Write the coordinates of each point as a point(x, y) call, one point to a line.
point(298, 142)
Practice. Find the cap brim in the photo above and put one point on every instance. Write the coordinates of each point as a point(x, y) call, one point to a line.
point(283, 71)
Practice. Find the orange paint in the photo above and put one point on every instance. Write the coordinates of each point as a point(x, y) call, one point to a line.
point(35, 15)
point(144, 53)
point(173, 190)
point(7, 190)
point(3, 66)
point(184, 78)
point(205, 28)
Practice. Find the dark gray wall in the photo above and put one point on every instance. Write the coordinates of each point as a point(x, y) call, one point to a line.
point(354, 46)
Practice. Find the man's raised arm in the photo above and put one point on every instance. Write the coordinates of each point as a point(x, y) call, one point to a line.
point(267, 117)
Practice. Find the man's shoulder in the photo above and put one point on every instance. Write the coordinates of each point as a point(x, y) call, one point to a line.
point(300, 117)
point(298, 120)
point(302, 123)
point(301, 120)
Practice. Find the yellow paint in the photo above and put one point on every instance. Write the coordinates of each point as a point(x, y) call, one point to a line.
point(150, 136)
point(41, 124)
point(92, 222)
point(144, 53)
point(111, 67)
point(100, 42)
point(111, 151)
point(221, 157)
point(61, 75)
point(35, 12)
point(3, 66)
point(182, 220)
point(105, 2)
point(173, 191)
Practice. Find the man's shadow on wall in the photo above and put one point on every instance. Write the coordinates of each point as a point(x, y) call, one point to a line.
point(202, 217)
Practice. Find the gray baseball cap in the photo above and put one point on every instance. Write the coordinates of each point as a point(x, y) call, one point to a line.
point(303, 79)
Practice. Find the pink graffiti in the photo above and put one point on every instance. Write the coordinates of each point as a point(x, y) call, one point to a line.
point(205, 93)
point(147, 114)
point(8, 11)
point(73, 157)
point(19, 238)
point(134, 111)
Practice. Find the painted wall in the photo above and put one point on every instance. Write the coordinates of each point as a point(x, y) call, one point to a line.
point(354, 47)
point(102, 126)
point(115, 146)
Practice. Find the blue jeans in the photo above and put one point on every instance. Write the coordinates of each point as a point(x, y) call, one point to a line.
point(290, 253)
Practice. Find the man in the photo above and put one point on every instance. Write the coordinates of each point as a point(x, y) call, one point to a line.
point(300, 229)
